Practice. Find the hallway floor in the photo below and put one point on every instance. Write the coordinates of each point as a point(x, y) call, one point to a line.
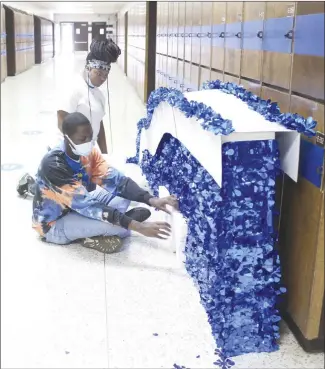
point(71, 307)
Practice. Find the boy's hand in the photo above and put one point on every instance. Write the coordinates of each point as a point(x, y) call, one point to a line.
point(161, 203)
point(151, 229)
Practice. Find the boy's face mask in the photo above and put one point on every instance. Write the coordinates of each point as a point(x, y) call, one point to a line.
point(82, 149)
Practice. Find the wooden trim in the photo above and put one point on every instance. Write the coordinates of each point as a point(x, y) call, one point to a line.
point(150, 61)
point(314, 345)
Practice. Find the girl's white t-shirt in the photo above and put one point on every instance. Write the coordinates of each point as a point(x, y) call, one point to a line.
point(89, 101)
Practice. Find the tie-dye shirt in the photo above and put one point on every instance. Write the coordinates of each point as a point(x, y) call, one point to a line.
point(63, 185)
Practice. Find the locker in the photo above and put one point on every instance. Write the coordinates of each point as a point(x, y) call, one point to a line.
point(164, 37)
point(195, 77)
point(308, 59)
point(159, 27)
point(170, 28)
point(277, 43)
point(175, 30)
point(255, 88)
point(309, 108)
point(180, 74)
point(233, 40)
point(181, 30)
point(252, 35)
point(196, 32)
point(232, 79)
point(164, 70)
point(205, 75)
point(158, 70)
point(282, 98)
point(188, 31)
point(216, 76)
point(218, 30)
point(187, 76)
point(169, 72)
point(206, 31)
point(174, 81)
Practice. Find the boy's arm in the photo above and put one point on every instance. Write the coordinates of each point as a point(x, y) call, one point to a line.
point(62, 188)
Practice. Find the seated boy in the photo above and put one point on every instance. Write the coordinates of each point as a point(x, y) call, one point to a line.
point(78, 197)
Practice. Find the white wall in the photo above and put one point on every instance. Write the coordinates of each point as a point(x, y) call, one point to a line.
point(110, 18)
point(31, 8)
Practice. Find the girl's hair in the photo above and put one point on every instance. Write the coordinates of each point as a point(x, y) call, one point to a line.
point(104, 50)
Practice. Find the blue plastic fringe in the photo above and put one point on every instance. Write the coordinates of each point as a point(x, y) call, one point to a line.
point(269, 110)
point(211, 121)
point(229, 251)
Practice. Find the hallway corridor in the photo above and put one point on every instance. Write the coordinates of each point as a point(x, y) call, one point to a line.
point(71, 307)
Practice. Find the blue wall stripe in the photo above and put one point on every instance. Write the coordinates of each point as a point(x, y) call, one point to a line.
point(274, 38)
point(311, 161)
point(251, 41)
point(309, 35)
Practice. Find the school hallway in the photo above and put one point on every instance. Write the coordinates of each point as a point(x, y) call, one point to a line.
point(71, 307)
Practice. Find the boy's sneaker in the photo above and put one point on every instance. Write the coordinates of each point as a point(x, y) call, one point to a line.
point(107, 245)
point(111, 244)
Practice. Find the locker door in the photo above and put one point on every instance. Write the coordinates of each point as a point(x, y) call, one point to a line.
point(180, 74)
point(175, 30)
point(218, 30)
point(251, 63)
point(159, 28)
point(164, 38)
point(174, 81)
point(181, 30)
point(205, 75)
point(195, 74)
point(169, 77)
point(277, 43)
point(308, 59)
point(188, 31)
point(206, 30)
point(233, 40)
point(187, 76)
point(196, 31)
point(170, 28)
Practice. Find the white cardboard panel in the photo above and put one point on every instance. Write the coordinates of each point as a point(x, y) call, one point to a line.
point(206, 147)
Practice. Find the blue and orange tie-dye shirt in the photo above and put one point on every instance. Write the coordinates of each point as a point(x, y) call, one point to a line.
point(63, 185)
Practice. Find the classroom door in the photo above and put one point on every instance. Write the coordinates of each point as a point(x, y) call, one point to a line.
point(80, 36)
point(99, 30)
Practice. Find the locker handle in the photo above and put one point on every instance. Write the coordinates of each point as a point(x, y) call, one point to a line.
point(181, 85)
point(170, 78)
point(238, 35)
point(170, 35)
point(201, 34)
point(191, 34)
point(175, 81)
point(188, 89)
point(289, 35)
point(222, 35)
point(260, 34)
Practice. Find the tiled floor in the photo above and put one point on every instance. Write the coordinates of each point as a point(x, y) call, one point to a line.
point(69, 307)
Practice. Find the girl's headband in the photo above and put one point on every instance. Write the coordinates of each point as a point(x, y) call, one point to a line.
point(98, 64)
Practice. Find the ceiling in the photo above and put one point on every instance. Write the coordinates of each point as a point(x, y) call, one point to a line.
point(80, 7)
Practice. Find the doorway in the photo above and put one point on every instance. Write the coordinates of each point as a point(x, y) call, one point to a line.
point(99, 30)
point(80, 36)
point(67, 38)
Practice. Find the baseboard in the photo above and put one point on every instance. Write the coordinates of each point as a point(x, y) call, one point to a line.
point(314, 345)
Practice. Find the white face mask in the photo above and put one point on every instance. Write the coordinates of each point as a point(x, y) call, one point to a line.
point(82, 149)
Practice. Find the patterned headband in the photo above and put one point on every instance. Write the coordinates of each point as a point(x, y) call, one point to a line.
point(98, 64)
